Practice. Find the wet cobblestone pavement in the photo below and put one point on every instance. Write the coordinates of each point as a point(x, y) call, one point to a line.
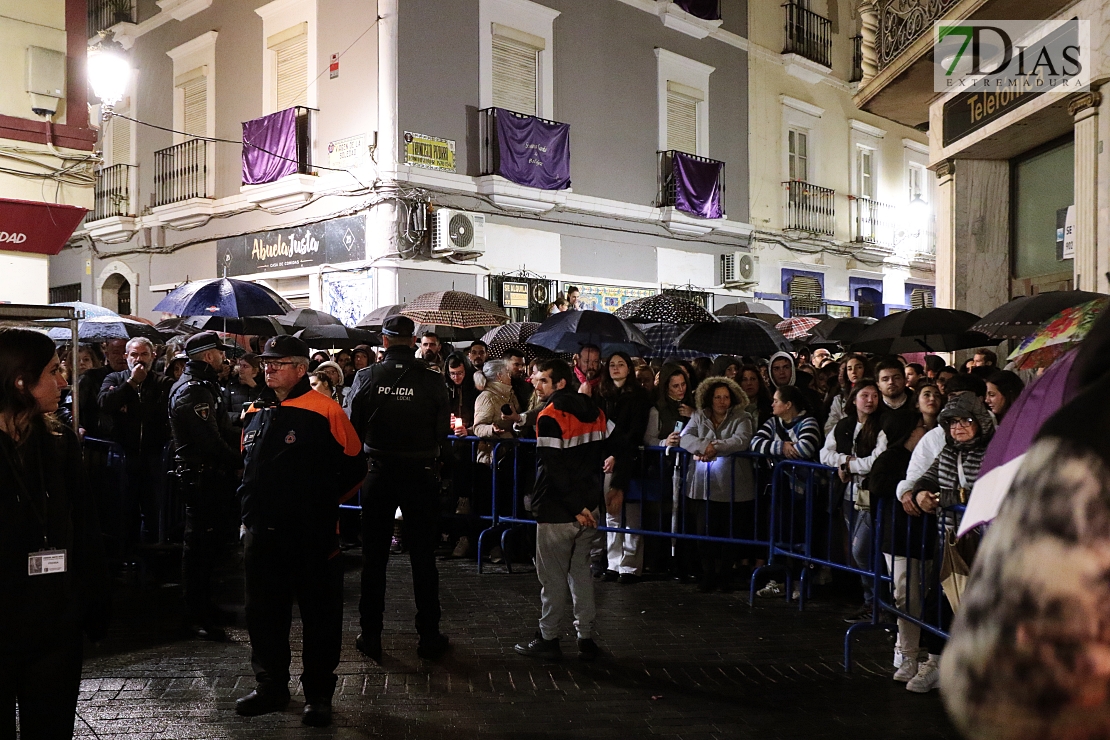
point(678, 664)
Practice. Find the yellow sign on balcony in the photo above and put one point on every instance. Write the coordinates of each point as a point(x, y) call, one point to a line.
point(430, 152)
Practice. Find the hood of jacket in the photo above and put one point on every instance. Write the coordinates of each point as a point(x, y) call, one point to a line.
point(964, 406)
point(704, 401)
point(793, 368)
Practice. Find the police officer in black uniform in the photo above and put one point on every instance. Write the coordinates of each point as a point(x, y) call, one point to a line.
point(401, 411)
point(207, 456)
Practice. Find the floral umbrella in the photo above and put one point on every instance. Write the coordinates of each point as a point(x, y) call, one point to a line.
point(797, 327)
point(1057, 335)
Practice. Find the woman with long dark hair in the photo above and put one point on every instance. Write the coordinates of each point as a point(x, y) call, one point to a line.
point(1003, 388)
point(53, 576)
point(759, 396)
point(627, 405)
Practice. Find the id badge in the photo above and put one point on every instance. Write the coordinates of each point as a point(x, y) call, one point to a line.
point(46, 561)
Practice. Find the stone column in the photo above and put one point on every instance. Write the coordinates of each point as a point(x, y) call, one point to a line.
point(1083, 107)
point(869, 31)
point(945, 249)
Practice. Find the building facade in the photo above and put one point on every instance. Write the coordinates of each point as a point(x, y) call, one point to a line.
point(46, 143)
point(1008, 175)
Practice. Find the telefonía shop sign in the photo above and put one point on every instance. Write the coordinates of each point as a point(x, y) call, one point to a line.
point(326, 242)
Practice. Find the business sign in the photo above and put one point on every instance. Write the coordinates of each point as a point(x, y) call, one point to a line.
point(326, 242)
point(41, 228)
point(1065, 233)
point(514, 295)
point(430, 152)
point(345, 154)
point(607, 297)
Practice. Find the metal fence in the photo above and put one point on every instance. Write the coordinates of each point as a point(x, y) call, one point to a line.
point(112, 192)
point(667, 177)
point(808, 35)
point(809, 208)
point(873, 222)
point(181, 172)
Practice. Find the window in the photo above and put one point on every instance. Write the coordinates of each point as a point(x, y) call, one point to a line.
point(915, 178)
point(865, 164)
point(515, 61)
point(194, 109)
point(921, 298)
point(194, 97)
point(515, 66)
point(120, 134)
point(65, 293)
point(683, 103)
point(290, 50)
point(798, 154)
point(682, 117)
point(806, 294)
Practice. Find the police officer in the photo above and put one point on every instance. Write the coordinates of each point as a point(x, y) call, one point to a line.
point(401, 411)
point(207, 456)
point(301, 458)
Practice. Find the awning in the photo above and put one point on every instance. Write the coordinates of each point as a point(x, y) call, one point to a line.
point(31, 226)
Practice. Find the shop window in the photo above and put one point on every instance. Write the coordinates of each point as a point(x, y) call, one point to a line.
point(1042, 183)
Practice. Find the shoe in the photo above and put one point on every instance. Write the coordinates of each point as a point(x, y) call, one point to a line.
point(628, 579)
point(588, 650)
point(209, 632)
point(927, 678)
point(771, 590)
point(863, 615)
point(462, 548)
point(610, 575)
point(317, 713)
point(797, 594)
point(433, 647)
point(540, 648)
point(371, 647)
point(463, 507)
point(907, 671)
point(496, 555)
point(395, 545)
point(261, 701)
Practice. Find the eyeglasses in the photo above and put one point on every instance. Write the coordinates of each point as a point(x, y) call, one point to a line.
point(968, 422)
point(276, 364)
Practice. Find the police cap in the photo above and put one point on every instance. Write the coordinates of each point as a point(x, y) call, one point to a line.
point(398, 326)
point(284, 346)
point(202, 342)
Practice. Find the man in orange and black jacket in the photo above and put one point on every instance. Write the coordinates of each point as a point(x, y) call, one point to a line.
point(302, 457)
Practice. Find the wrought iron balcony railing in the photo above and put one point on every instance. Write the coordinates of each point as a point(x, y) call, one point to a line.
point(808, 35)
point(181, 172)
point(112, 192)
point(103, 14)
point(668, 178)
point(809, 208)
point(873, 222)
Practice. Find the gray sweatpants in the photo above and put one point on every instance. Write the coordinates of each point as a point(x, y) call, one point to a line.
point(563, 567)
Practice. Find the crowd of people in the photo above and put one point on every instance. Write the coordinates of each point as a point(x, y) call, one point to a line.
point(235, 432)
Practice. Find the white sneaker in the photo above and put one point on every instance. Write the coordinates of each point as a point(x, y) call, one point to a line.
point(907, 671)
point(772, 589)
point(927, 678)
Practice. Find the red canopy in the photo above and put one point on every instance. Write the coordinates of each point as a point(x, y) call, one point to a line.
point(30, 226)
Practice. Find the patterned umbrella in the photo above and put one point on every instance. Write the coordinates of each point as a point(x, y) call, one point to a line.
point(569, 330)
point(224, 297)
point(373, 320)
point(455, 308)
point(502, 338)
point(107, 328)
point(735, 335)
point(797, 327)
point(1057, 335)
point(333, 336)
point(1018, 317)
point(751, 309)
point(663, 339)
point(302, 318)
point(664, 308)
point(91, 311)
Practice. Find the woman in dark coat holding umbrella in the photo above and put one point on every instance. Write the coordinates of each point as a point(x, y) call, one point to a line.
point(627, 405)
point(53, 576)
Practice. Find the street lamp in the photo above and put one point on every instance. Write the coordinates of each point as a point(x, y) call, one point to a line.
point(109, 73)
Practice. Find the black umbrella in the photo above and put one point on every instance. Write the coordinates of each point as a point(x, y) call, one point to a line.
point(569, 330)
point(735, 335)
point(842, 330)
point(373, 320)
point(921, 330)
point(176, 325)
point(751, 309)
point(261, 326)
point(664, 308)
point(1021, 316)
point(302, 318)
point(332, 336)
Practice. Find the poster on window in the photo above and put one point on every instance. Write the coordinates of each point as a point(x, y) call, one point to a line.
point(348, 296)
point(607, 297)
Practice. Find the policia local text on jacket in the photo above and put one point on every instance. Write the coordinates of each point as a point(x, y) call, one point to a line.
point(401, 411)
point(301, 458)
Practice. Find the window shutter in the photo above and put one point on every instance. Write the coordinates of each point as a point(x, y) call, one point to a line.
point(921, 298)
point(682, 122)
point(798, 155)
point(515, 66)
point(292, 72)
point(196, 106)
point(121, 141)
point(805, 295)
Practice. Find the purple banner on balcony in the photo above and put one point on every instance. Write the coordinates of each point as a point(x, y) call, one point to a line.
point(270, 147)
point(705, 9)
point(697, 187)
point(532, 151)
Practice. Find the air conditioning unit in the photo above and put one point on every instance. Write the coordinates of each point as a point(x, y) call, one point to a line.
point(458, 232)
point(739, 269)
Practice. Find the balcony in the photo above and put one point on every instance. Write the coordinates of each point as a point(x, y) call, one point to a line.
point(103, 14)
point(808, 35)
point(873, 222)
point(809, 208)
point(287, 183)
point(181, 172)
point(544, 145)
point(112, 192)
point(690, 204)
